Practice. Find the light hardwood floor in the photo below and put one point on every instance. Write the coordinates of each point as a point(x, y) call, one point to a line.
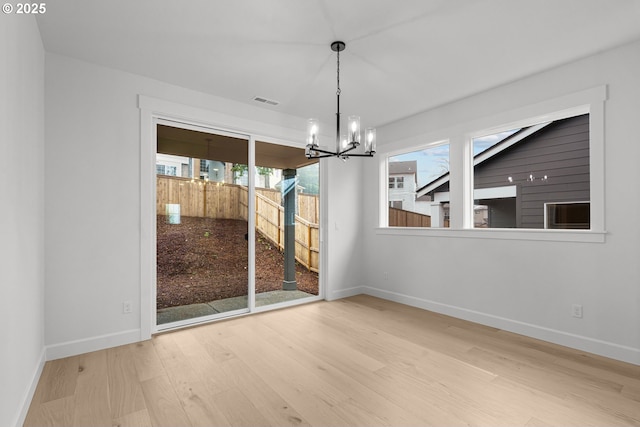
point(359, 361)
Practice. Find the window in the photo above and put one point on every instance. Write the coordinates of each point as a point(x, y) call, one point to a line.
point(534, 173)
point(166, 170)
point(517, 172)
point(568, 215)
point(411, 182)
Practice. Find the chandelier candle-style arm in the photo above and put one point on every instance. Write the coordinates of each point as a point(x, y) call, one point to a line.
point(345, 143)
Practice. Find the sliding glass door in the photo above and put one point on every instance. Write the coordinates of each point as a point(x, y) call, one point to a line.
point(201, 230)
point(209, 263)
point(287, 229)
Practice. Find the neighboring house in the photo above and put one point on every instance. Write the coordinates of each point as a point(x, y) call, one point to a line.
point(536, 178)
point(402, 185)
point(267, 179)
point(167, 164)
point(212, 170)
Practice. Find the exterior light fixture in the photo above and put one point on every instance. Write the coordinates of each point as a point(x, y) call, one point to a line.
point(347, 141)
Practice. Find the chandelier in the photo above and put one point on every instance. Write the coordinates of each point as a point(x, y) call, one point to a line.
point(346, 141)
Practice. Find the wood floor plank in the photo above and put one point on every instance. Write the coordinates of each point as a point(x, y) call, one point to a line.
point(92, 400)
point(337, 369)
point(198, 401)
point(52, 413)
point(58, 379)
point(275, 409)
point(631, 392)
point(197, 367)
point(162, 403)
point(134, 419)
point(147, 361)
point(125, 392)
point(356, 361)
point(238, 409)
point(309, 395)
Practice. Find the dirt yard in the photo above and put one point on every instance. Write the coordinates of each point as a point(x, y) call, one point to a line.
point(205, 259)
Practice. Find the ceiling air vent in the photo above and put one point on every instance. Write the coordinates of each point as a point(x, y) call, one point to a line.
point(265, 100)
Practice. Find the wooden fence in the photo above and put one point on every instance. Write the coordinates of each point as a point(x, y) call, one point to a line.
point(270, 222)
point(402, 218)
point(227, 201)
point(308, 206)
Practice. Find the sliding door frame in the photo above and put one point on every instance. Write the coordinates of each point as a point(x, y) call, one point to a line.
point(156, 111)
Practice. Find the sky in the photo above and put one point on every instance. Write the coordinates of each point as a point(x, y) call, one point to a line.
point(433, 162)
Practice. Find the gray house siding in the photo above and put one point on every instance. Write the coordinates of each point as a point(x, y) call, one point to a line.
point(502, 212)
point(560, 151)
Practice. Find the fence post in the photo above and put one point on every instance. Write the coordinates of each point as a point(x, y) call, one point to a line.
point(309, 247)
point(204, 201)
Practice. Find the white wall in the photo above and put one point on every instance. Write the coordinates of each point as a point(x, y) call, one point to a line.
point(21, 214)
point(93, 229)
point(521, 285)
point(343, 226)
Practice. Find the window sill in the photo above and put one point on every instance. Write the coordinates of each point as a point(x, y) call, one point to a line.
point(582, 236)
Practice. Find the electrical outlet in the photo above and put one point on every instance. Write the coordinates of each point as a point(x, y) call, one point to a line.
point(386, 276)
point(126, 307)
point(576, 311)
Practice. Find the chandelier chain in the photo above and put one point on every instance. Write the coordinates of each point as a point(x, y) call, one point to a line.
point(338, 73)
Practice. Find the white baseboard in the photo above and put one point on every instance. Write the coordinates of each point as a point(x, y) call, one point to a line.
point(345, 293)
point(73, 348)
point(578, 342)
point(28, 395)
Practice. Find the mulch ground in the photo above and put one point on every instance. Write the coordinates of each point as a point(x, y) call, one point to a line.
point(205, 259)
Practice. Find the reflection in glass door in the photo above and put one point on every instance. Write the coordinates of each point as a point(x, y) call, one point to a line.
point(287, 239)
point(202, 232)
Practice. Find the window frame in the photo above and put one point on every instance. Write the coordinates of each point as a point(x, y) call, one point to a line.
point(384, 172)
point(460, 137)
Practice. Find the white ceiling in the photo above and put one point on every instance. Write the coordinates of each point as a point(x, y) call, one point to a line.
point(402, 56)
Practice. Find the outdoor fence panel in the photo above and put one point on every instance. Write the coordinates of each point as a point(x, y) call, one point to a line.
point(179, 191)
point(402, 218)
point(244, 203)
point(193, 198)
point(273, 195)
point(308, 207)
point(268, 219)
point(306, 234)
point(228, 201)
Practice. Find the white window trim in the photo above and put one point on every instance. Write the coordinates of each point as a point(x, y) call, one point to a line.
point(461, 191)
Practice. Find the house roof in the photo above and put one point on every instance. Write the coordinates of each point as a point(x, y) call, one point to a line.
point(490, 152)
point(403, 168)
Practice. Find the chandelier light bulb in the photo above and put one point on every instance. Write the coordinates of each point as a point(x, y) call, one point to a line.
point(354, 130)
point(312, 132)
point(370, 141)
